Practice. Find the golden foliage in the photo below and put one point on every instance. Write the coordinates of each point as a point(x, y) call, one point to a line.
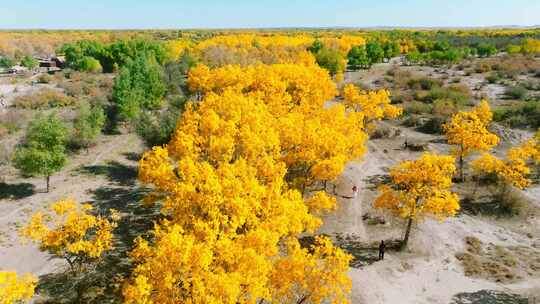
point(14, 289)
point(468, 131)
point(374, 105)
point(421, 187)
point(71, 232)
point(230, 183)
point(514, 170)
point(250, 49)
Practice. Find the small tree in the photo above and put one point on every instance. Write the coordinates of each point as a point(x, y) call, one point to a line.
point(420, 188)
point(468, 131)
point(44, 151)
point(87, 126)
point(69, 231)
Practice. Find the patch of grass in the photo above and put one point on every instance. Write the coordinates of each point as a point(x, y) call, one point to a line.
point(497, 263)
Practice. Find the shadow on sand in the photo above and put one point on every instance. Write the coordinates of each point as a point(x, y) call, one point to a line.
point(16, 191)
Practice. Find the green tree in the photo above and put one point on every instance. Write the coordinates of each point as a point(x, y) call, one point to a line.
point(29, 62)
point(44, 151)
point(87, 126)
point(375, 52)
point(139, 86)
point(357, 57)
point(331, 60)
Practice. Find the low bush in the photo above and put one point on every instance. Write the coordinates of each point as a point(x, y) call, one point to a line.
point(516, 92)
point(417, 107)
point(423, 83)
point(493, 78)
point(434, 125)
point(156, 128)
point(459, 94)
point(520, 115)
point(46, 98)
point(512, 202)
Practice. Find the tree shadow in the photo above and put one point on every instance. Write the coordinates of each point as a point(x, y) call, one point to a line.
point(16, 191)
point(488, 297)
point(133, 156)
point(116, 172)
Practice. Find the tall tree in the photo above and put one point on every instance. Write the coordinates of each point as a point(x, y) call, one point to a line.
point(138, 86)
point(44, 151)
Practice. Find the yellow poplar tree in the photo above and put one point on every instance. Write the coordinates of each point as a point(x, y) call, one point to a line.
point(316, 142)
point(468, 131)
point(71, 232)
point(374, 105)
point(14, 289)
point(514, 170)
point(419, 188)
point(233, 215)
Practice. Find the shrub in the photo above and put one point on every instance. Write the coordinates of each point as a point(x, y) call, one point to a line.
point(523, 115)
point(512, 202)
point(91, 65)
point(87, 126)
point(44, 78)
point(446, 107)
point(493, 78)
point(14, 120)
point(516, 92)
point(46, 98)
point(416, 107)
point(423, 83)
point(434, 125)
point(156, 128)
point(460, 94)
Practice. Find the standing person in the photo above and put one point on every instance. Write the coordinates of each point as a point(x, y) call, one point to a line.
point(354, 191)
point(382, 247)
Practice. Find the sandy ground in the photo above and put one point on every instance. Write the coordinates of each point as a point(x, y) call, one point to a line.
point(21, 197)
point(429, 271)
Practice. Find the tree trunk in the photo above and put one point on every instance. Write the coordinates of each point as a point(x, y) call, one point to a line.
point(407, 233)
point(462, 175)
point(48, 182)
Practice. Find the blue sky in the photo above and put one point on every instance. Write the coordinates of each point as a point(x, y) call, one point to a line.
point(123, 14)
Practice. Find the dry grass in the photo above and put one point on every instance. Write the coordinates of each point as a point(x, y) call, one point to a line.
point(502, 264)
point(46, 98)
